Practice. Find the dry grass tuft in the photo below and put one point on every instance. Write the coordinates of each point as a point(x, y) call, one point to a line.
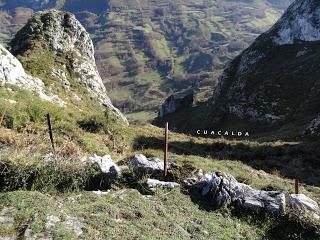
point(7, 137)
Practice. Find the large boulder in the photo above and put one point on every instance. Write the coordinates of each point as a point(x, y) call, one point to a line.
point(304, 204)
point(224, 189)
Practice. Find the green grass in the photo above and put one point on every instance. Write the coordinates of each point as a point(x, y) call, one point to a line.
point(166, 215)
point(58, 189)
point(141, 116)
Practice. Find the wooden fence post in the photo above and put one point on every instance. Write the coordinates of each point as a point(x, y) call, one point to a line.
point(165, 170)
point(50, 132)
point(2, 115)
point(296, 186)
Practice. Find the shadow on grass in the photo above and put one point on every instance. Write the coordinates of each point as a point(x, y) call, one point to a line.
point(294, 161)
point(285, 227)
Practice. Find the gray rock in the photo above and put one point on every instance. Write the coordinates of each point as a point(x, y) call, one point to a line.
point(314, 127)
point(303, 204)
point(224, 189)
point(195, 177)
point(151, 164)
point(12, 72)
point(106, 164)
point(5, 217)
point(154, 183)
point(52, 221)
point(76, 225)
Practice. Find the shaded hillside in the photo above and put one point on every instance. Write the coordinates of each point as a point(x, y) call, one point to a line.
point(274, 84)
point(146, 50)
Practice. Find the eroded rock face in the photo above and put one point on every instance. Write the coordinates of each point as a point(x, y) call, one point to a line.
point(173, 104)
point(62, 34)
point(264, 83)
point(12, 72)
point(314, 127)
point(299, 23)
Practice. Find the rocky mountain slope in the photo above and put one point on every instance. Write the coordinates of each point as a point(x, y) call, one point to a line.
point(54, 46)
point(272, 87)
point(147, 50)
point(276, 80)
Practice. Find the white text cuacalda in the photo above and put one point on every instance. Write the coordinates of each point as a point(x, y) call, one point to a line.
point(223, 133)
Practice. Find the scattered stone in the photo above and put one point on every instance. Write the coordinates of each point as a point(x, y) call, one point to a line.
point(76, 225)
point(49, 158)
point(106, 165)
point(122, 194)
point(154, 183)
point(304, 204)
point(61, 75)
point(101, 193)
point(52, 221)
point(5, 217)
point(151, 164)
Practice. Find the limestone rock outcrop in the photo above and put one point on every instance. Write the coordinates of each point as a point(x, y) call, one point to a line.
point(276, 79)
point(12, 72)
point(224, 189)
point(63, 35)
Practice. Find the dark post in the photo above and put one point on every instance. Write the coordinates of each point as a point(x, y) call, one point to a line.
point(296, 186)
point(165, 173)
point(3, 115)
point(50, 132)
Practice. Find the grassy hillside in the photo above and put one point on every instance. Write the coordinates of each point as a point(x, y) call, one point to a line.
point(63, 188)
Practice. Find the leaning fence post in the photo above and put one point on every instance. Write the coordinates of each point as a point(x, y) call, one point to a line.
point(50, 132)
point(296, 186)
point(165, 170)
